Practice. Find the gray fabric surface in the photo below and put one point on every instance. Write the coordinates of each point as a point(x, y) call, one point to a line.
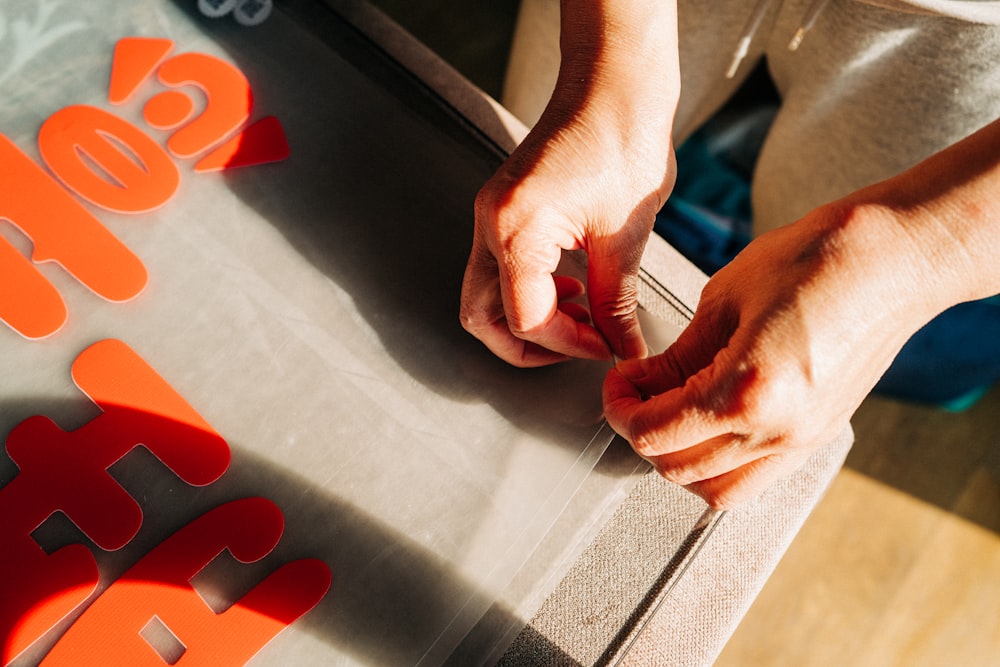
point(596, 599)
point(704, 607)
point(587, 620)
point(871, 90)
point(595, 615)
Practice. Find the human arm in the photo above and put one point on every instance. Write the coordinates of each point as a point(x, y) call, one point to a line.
point(590, 175)
point(791, 336)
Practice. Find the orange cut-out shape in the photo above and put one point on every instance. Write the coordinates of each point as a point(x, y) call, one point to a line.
point(134, 60)
point(67, 472)
point(29, 303)
point(61, 231)
point(228, 105)
point(39, 590)
point(137, 400)
point(107, 160)
point(159, 586)
point(260, 143)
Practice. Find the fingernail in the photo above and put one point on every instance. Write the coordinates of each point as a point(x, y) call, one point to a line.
point(634, 370)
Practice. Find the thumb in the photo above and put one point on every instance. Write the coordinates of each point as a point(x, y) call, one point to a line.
point(694, 350)
point(613, 293)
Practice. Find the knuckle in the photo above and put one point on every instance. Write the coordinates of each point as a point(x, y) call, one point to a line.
point(722, 500)
point(644, 441)
point(473, 322)
point(475, 316)
point(642, 445)
point(679, 474)
point(498, 217)
point(746, 396)
point(718, 497)
point(491, 196)
point(674, 365)
point(621, 304)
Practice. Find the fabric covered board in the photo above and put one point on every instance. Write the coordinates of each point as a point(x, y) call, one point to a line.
point(242, 422)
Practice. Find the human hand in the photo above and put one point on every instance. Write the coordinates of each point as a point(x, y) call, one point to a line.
point(785, 344)
point(580, 180)
point(590, 176)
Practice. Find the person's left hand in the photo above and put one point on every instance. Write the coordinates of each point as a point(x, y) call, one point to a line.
point(785, 344)
point(588, 177)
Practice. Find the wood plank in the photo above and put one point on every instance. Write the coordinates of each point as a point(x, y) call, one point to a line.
point(947, 611)
point(900, 563)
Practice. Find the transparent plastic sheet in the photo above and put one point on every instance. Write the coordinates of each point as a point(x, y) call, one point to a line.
point(307, 310)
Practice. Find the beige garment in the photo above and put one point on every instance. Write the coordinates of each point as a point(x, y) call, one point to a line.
point(871, 90)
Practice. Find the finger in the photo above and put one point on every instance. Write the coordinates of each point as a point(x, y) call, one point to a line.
point(568, 287)
point(663, 424)
point(693, 351)
point(712, 458)
point(530, 300)
point(517, 351)
point(612, 288)
point(483, 316)
point(747, 481)
point(576, 311)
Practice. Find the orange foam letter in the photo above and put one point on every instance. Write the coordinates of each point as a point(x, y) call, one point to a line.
point(159, 586)
point(229, 100)
point(136, 174)
point(67, 472)
point(28, 302)
point(62, 231)
point(134, 60)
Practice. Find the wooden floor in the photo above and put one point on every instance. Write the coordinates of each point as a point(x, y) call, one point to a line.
point(900, 563)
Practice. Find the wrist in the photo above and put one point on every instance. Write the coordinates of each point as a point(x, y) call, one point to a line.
point(871, 252)
point(620, 52)
point(946, 211)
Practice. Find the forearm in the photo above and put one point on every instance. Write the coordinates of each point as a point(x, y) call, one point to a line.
point(950, 203)
point(923, 240)
point(590, 175)
point(619, 52)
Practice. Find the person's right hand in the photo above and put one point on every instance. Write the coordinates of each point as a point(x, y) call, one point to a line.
point(590, 176)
